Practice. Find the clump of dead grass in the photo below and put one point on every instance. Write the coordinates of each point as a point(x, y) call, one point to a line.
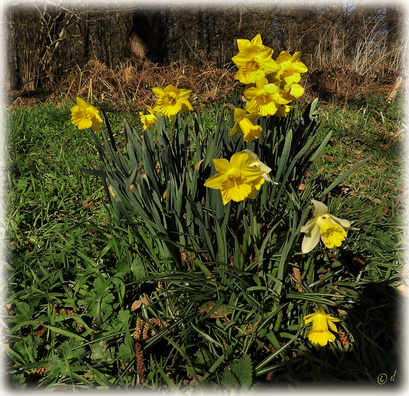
point(338, 85)
point(130, 85)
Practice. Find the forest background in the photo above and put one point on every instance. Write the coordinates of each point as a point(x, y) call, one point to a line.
point(117, 52)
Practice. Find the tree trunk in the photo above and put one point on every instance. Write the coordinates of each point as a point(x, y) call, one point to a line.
point(147, 35)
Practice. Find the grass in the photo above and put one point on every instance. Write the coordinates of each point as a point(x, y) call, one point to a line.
point(72, 272)
point(360, 131)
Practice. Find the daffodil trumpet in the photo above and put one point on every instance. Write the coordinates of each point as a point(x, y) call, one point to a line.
point(244, 123)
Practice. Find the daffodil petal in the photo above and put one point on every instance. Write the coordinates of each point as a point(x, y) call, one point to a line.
point(331, 323)
point(257, 40)
point(308, 226)
point(222, 165)
point(172, 88)
point(239, 160)
point(296, 90)
point(253, 117)
point(310, 240)
point(239, 114)
point(235, 130)
point(186, 106)
point(308, 319)
point(283, 57)
point(241, 43)
point(184, 93)
point(215, 182)
point(320, 209)
point(157, 91)
point(96, 124)
point(341, 222)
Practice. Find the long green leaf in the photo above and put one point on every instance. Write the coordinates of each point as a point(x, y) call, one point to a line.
point(321, 147)
point(258, 368)
point(65, 332)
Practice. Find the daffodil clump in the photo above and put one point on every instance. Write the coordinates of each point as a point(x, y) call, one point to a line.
point(271, 85)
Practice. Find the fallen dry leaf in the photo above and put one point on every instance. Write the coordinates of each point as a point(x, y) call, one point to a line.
point(138, 303)
point(230, 106)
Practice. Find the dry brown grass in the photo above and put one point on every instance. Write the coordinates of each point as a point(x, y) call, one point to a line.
point(129, 85)
point(340, 84)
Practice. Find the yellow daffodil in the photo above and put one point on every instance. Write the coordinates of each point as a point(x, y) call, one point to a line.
point(331, 229)
point(171, 100)
point(235, 179)
point(148, 119)
point(245, 45)
point(254, 59)
point(264, 98)
point(83, 115)
point(244, 123)
point(293, 91)
point(289, 92)
point(290, 69)
point(319, 334)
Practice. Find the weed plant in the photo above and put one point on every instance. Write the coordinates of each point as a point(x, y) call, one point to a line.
point(122, 279)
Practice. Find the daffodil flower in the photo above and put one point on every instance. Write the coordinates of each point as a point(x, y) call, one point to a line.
point(244, 123)
point(148, 119)
point(289, 91)
point(290, 68)
point(264, 98)
point(236, 180)
point(171, 100)
point(293, 91)
point(85, 116)
point(331, 229)
point(254, 59)
point(319, 334)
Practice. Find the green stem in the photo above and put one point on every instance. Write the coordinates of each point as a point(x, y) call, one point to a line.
point(256, 222)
